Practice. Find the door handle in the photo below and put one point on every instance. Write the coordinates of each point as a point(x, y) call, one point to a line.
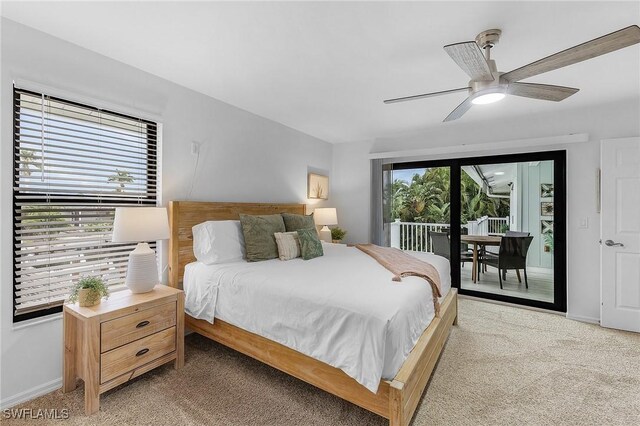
point(611, 243)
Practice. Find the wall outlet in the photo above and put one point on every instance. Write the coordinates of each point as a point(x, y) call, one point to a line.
point(195, 148)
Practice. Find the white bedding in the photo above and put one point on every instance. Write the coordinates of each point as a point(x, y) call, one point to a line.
point(341, 308)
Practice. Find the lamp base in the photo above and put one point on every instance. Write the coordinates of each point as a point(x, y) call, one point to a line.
point(325, 234)
point(142, 271)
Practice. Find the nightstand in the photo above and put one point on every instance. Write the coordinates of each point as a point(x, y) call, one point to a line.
point(121, 338)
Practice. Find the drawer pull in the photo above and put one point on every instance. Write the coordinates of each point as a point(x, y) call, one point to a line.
point(142, 324)
point(142, 351)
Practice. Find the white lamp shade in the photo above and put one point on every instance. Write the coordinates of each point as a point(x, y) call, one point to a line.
point(135, 224)
point(325, 216)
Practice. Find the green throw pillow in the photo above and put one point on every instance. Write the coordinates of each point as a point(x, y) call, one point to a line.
point(260, 244)
point(310, 245)
point(293, 222)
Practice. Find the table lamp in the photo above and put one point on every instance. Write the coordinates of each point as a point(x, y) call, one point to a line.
point(139, 225)
point(324, 217)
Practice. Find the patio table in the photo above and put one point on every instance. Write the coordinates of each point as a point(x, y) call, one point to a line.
point(479, 240)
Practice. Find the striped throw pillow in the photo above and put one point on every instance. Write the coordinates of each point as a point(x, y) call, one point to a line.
point(288, 245)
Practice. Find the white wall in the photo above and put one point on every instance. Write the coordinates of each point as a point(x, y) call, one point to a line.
point(243, 158)
point(352, 171)
point(528, 186)
point(352, 190)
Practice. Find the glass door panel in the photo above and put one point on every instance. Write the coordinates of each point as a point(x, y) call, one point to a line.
point(507, 229)
point(420, 215)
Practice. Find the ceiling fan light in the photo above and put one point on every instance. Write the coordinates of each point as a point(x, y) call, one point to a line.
point(488, 98)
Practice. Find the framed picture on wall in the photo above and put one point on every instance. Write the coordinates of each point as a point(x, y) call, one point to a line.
point(318, 186)
point(546, 190)
point(546, 208)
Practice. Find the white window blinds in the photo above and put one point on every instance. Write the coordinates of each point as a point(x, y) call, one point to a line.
point(74, 164)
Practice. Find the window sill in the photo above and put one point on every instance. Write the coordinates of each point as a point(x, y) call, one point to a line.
point(58, 315)
point(36, 321)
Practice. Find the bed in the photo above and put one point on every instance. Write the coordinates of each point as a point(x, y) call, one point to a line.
point(391, 388)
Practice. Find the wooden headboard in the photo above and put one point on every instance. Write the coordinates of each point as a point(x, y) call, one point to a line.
point(183, 215)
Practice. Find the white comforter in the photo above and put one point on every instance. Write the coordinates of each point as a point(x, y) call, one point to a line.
point(342, 308)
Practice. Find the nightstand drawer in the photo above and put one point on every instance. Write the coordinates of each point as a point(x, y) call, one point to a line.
point(121, 331)
point(135, 354)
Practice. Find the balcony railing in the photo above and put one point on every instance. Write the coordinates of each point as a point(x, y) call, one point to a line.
point(497, 225)
point(416, 236)
point(488, 225)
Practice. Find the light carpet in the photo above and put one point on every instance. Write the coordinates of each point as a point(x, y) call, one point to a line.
point(500, 366)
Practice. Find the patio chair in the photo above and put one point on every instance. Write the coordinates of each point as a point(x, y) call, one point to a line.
point(515, 234)
point(506, 234)
point(464, 247)
point(512, 255)
point(442, 247)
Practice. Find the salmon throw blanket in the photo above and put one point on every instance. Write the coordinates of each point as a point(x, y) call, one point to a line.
point(402, 264)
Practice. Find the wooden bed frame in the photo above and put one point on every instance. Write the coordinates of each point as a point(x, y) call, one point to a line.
point(396, 400)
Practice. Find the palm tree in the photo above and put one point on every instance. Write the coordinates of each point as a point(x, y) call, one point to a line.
point(397, 195)
point(427, 198)
point(121, 177)
point(439, 213)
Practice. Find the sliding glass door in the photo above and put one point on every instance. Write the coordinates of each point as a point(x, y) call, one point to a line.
point(508, 215)
point(500, 220)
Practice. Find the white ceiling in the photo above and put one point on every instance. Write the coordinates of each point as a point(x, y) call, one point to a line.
point(498, 176)
point(325, 67)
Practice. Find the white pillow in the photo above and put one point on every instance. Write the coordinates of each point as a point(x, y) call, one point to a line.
point(218, 241)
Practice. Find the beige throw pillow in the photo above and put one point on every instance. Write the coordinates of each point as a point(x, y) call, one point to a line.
point(288, 245)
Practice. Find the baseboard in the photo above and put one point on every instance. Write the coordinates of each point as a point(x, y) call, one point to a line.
point(582, 318)
point(30, 394)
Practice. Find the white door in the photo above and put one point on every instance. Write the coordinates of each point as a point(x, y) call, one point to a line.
point(620, 232)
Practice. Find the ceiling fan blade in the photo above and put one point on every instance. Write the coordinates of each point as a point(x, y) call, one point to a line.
point(459, 111)
point(426, 95)
point(469, 57)
point(591, 49)
point(545, 92)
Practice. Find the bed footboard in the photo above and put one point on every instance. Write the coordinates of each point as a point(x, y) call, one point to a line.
point(396, 400)
point(407, 387)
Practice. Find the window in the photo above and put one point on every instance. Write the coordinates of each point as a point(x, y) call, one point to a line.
point(73, 165)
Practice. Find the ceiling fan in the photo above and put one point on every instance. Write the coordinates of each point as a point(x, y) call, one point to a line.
point(489, 85)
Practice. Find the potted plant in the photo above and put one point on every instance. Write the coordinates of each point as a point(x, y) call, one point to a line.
point(337, 234)
point(88, 291)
